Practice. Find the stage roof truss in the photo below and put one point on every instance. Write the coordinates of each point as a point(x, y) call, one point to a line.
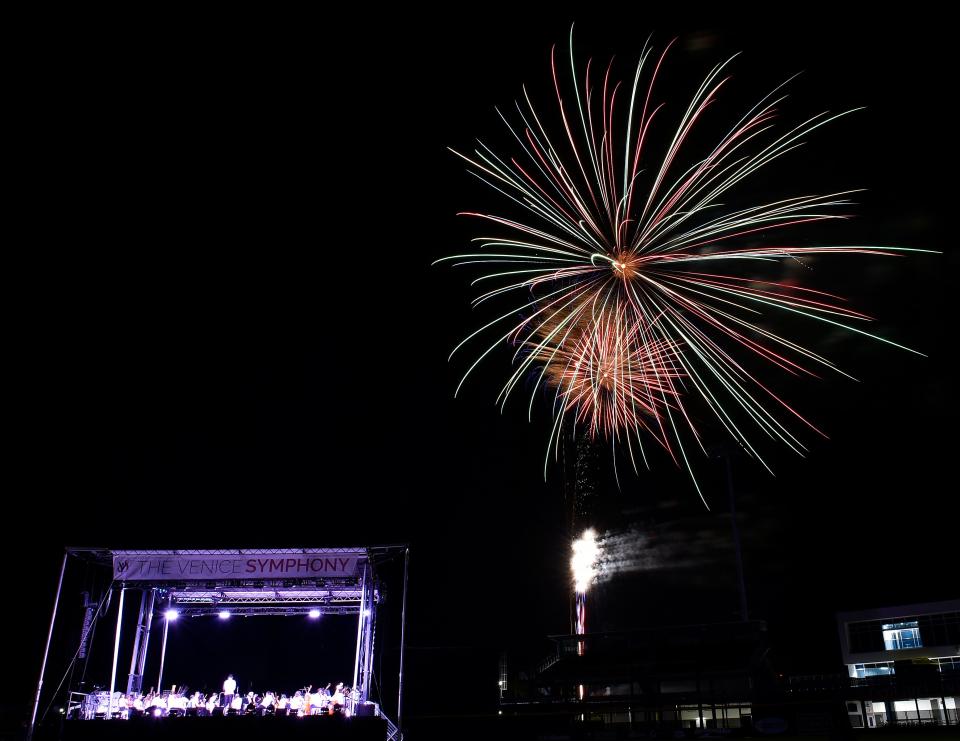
point(344, 596)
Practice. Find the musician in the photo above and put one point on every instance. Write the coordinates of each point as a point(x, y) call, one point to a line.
point(283, 704)
point(229, 688)
point(351, 697)
point(317, 701)
point(177, 702)
point(296, 703)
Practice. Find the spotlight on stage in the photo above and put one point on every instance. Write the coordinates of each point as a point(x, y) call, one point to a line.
point(314, 614)
point(586, 553)
point(157, 711)
point(366, 613)
point(224, 614)
point(171, 614)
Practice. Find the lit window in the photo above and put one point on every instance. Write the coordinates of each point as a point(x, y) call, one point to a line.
point(882, 669)
point(901, 635)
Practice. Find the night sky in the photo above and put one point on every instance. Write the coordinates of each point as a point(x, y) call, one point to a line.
point(228, 333)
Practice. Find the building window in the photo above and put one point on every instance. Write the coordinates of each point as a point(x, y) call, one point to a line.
point(882, 669)
point(948, 663)
point(942, 629)
point(901, 635)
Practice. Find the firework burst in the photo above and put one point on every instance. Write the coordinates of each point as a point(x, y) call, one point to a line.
point(630, 270)
point(606, 378)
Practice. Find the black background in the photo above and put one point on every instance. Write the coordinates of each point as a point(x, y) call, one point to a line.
point(226, 329)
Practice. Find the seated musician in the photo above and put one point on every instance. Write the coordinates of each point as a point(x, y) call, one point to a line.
point(338, 699)
point(317, 702)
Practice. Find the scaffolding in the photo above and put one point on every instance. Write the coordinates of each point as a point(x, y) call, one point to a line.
point(241, 582)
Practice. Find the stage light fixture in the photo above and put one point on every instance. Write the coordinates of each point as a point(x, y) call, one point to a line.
point(314, 613)
point(171, 614)
point(224, 614)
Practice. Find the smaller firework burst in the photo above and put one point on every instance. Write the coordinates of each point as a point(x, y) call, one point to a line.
point(611, 382)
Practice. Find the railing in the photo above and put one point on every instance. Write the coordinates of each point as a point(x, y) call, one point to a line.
point(76, 704)
point(393, 733)
point(548, 662)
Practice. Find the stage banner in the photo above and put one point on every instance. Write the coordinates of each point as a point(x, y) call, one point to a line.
point(203, 567)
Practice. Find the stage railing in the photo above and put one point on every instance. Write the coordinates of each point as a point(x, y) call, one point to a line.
point(77, 705)
point(393, 733)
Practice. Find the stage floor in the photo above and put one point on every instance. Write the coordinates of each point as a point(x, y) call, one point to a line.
point(234, 728)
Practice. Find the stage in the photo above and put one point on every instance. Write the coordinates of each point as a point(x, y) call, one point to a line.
point(214, 588)
point(234, 728)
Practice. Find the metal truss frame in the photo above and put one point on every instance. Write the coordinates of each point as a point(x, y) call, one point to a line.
point(169, 599)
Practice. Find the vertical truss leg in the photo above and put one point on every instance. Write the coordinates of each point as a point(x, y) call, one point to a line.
point(46, 651)
point(370, 625)
point(163, 652)
point(365, 645)
point(363, 599)
point(403, 632)
point(141, 642)
point(116, 653)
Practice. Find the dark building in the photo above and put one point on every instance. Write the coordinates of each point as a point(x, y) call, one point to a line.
point(903, 668)
point(691, 676)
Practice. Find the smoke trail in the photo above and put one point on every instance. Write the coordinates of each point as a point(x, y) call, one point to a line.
point(668, 546)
